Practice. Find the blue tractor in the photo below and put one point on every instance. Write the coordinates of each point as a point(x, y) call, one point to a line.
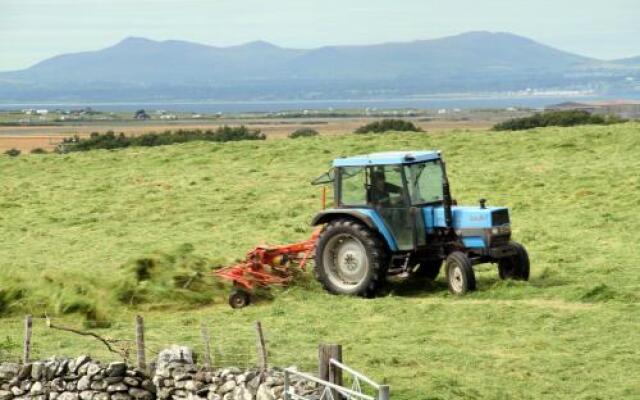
point(393, 214)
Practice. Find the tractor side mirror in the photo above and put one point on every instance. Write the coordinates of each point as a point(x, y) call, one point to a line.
point(483, 203)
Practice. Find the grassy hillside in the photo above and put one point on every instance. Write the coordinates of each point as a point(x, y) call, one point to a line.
point(77, 228)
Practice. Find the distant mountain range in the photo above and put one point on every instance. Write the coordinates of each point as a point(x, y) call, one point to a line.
point(633, 61)
point(143, 69)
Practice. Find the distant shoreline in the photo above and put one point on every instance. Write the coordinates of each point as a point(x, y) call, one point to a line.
point(479, 101)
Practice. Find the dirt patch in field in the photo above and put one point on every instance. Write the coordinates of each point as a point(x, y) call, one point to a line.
point(28, 143)
point(27, 138)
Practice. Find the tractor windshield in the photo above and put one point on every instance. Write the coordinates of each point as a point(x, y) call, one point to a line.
point(425, 182)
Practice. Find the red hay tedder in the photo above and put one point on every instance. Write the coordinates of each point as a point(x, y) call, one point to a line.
point(265, 266)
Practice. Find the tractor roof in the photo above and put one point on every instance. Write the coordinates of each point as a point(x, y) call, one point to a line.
point(389, 157)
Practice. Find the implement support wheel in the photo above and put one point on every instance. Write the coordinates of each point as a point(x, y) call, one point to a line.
point(239, 299)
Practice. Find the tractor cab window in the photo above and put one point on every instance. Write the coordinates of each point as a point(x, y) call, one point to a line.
point(378, 186)
point(425, 182)
point(388, 195)
point(385, 189)
point(353, 181)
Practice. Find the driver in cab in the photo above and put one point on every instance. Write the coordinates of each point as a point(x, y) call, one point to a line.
point(381, 191)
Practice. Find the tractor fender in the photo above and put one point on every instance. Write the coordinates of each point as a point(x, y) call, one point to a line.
point(368, 217)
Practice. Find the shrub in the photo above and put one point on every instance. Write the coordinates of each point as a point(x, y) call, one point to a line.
point(303, 132)
point(111, 140)
point(141, 114)
point(389, 125)
point(556, 118)
point(13, 152)
point(38, 150)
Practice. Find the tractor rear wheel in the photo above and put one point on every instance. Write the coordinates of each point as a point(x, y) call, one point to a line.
point(460, 275)
point(350, 259)
point(515, 267)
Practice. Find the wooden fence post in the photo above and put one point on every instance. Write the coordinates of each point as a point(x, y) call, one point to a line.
point(383, 393)
point(26, 346)
point(262, 348)
point(140, 349)
point(206, 338)
point(326, 371)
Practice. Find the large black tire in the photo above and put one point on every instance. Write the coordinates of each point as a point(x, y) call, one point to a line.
point(429, 268)
point(346, 250)
point(460, 275)
point(515, 267)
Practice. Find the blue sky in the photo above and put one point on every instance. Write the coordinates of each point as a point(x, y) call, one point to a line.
point(32, 30)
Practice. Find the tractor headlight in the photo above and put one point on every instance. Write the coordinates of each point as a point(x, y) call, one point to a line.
point(500, 230)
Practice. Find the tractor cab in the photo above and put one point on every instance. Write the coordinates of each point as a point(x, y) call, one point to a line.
point(392, 187)
point(402, 201)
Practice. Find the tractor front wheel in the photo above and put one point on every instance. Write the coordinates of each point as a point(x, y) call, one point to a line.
point(460, 275)
point(350, 259)
point(515, 267)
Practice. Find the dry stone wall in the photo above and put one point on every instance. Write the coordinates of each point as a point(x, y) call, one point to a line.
point(174, 376)
point(73, 379)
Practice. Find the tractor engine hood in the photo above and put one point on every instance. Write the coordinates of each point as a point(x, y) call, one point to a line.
point(467, 217)
point(474, 225)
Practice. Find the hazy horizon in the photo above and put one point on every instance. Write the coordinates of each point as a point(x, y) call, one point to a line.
point(33, 30)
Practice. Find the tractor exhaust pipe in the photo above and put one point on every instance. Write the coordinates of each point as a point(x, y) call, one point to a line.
point(446, 197)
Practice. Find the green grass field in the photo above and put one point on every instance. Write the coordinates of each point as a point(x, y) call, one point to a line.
point(74, 228)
